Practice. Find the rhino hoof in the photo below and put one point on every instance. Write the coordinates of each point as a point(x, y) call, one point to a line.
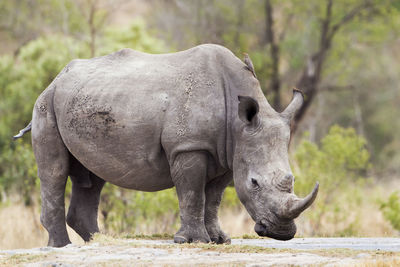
point(219, 237)
point(180, 239)
point(221, 240)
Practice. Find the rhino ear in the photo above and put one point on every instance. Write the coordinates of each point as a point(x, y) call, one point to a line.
point(248, 110)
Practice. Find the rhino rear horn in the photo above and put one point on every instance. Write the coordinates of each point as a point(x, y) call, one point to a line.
point(294, 106)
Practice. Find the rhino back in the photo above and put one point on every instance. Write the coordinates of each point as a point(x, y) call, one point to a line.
point(125, 116)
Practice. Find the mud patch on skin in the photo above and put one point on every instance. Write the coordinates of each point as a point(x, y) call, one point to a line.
point(89, 119)
point(189, 82)
point(42, 107)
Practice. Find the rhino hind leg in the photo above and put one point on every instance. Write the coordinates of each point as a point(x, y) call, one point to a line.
point(189, 176)
point(214, 192)
point(85, 198)
point(52, 159)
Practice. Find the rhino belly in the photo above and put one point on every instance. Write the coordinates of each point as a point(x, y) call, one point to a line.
point(130, 165)
point(122, 147)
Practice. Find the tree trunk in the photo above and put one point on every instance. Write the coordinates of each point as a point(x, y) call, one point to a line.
point(311, 76)
point(92, 28)
point(275, 84)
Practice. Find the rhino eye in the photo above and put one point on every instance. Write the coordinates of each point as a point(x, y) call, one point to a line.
point(254, 182)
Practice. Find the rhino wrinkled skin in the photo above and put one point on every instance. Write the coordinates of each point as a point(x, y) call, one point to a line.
point(195, 120)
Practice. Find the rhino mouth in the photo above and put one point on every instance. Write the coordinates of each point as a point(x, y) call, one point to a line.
point(282, 231)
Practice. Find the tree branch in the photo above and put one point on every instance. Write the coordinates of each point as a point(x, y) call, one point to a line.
point(309, 80)
point(285, 27)
point(269, 32)
point(312, 72)
point(331, 88)
point(240, 21)
point(325, 41)
point(348, 17)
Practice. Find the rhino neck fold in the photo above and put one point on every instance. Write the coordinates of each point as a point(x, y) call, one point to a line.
point(229, 142)
point(237, 80)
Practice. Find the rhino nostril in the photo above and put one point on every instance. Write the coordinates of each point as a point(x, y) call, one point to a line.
point(260, 229)
point(254, 182)
point(263, 222)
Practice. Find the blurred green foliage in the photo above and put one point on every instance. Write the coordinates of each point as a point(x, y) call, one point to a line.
point(25, 76)
point(391, 209)
point(340, 158)
point(360, 73)
point(22, 79)
point(339, 164)
point(230, 199)
point(126, 210)
point(20, 173)
point(134, 36)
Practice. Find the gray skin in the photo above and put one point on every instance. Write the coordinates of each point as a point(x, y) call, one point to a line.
point(193, 119)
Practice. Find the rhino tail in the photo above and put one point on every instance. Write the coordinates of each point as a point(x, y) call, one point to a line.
point(28, 128)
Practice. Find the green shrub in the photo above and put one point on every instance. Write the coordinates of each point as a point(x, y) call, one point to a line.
point(136, 36)
point(20, 173)
point(341, 158)
point(391, 209)
point(230, 199)
point(25, 76)
point(339, 163)
point(125, 210)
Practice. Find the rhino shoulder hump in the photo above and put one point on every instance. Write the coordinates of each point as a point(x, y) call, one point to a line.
point(219, 49)
point(122, 53)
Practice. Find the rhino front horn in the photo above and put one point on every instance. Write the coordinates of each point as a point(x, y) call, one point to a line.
point(299, 205)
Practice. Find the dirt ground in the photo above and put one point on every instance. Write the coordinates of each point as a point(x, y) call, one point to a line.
point(107, 251)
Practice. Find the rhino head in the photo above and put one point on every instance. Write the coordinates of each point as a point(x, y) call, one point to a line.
point(262, 175)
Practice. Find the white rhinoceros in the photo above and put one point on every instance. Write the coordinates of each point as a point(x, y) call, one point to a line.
point(193, 119)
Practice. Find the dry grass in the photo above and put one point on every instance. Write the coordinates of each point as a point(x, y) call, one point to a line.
point(381, 262)
point(20, 259)
point(370, 223)
point(237, 222)
point(363, 220)
point(21, 228)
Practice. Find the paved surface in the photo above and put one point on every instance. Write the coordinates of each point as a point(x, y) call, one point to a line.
point(372, 244)
point(140, 252)
point(383, 244)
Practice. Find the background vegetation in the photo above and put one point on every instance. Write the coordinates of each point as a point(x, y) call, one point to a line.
point(344, 54)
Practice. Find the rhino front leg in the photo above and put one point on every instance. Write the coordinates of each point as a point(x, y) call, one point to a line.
point(189, 173)
point(214, 191)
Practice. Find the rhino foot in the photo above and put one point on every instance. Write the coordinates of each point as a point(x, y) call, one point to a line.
point(191, 237)
point(58, 242)
point(218, 236)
